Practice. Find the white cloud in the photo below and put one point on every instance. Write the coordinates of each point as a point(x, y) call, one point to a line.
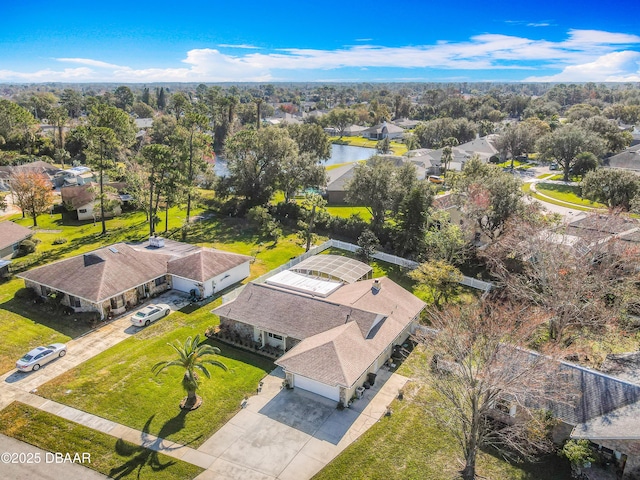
point(613, 67)
point(540, 24)
point(585, 55)
point(88, 61)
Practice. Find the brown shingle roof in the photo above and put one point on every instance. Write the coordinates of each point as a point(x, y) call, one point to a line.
point(99, 275)
point(289, 313)
point(341, 335)
point(330, 357)
point(340, 356)
point(12, 233)
point(205, 264)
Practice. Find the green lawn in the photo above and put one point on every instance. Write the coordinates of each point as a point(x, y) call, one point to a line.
point(544, 175)
point(411, 444)
point(560, 177)
point(526, 188)
point(109, 456)
point(566, 193)
point(24, 326)
point(118, 384)
point(32, 325)
point(345, 211)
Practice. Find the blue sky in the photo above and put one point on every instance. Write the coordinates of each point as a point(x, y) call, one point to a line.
point(397, 40)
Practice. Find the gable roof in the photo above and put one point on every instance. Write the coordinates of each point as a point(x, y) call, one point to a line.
point(12, 233)
point(205, 264)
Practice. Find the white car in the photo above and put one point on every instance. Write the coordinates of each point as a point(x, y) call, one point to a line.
point(41, 355)
point(149, 314)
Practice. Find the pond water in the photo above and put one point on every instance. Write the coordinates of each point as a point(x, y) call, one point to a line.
point(339, 154)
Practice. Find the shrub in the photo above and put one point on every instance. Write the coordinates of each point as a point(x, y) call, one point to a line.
point(59, 241)
point(26, 247)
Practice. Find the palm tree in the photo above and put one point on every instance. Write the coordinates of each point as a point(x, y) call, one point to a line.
point(191, 359)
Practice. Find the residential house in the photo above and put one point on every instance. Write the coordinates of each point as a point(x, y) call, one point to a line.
point(73, 176)
point(11, 234)
point(334, 326)
point(39, 166)
point(382, 131)
point(82, 200)
point(337, 181)
point(628, 159)
point(112, 279)
point(354, 131)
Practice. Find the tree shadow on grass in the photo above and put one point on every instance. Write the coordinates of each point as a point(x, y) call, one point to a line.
point(547, 467)
point(147, 454)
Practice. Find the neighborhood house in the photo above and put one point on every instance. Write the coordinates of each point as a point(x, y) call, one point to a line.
point(112, 279)
point(334, 326)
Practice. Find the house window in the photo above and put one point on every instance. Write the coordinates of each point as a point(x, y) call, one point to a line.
point(74, 301)
point(273, 335)
point(82, 210)
point(117, 302)
point(160, 281)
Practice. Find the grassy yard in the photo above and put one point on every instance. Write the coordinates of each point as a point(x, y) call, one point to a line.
point(24, 326)
point(411, 444)
point(526, 188)
point(345, 211)
point(109, 456)
point(560, 177)
point(566, 193)
point(118, 384)
point(397, 148)
point(31, 325)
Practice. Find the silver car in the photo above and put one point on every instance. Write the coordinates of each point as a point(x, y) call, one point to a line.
point(149, 314)
point(41, 355)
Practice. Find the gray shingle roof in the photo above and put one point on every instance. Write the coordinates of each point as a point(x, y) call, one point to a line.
point(628, 159)
point(103, 273)
point(205, 264)
point(340, 356)
point(12, 233)
point(289, 313)
point(99, 275)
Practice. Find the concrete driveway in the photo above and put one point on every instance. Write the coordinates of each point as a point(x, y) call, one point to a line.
point(292, 434)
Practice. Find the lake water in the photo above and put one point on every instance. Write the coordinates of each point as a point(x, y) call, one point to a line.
point(339, 154)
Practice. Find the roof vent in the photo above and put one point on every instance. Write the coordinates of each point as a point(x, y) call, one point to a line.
point(156, 242)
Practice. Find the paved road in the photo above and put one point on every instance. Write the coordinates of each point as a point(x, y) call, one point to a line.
point(45, 469)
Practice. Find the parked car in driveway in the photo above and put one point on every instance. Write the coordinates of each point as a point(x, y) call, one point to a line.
point(40, 356)
point(436, 179)
point(149, 314)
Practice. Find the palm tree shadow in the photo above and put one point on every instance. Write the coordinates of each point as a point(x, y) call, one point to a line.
point(147, 453)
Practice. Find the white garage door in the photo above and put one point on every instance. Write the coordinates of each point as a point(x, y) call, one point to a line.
point(314, 386)
point(183, 285)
